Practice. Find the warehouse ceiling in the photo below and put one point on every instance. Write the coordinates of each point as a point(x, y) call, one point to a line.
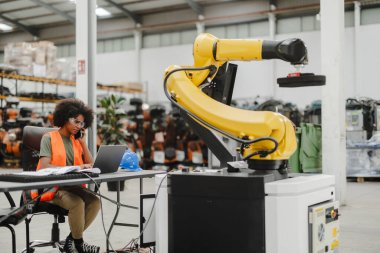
point(55, 19)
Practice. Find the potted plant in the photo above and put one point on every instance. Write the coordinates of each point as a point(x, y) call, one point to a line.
point(110, 126)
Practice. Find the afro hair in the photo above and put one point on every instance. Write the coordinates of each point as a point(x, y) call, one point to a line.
point(71, 108)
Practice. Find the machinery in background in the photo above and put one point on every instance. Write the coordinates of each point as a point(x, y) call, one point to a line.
point(136, 127)
point(363, 142)
point(313, 113)
point(251, 204)
point(173, 140)
point(13, 122)
point(377, 117)
point(288, 109)
point(360, 119)
point(159, 154)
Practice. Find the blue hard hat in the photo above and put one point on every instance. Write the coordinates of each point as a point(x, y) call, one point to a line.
point(130, 161)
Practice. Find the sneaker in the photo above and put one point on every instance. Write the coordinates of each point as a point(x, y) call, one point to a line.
point(84, 247)
point(70, 246)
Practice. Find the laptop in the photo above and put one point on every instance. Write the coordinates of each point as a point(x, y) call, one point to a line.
point(109, 157)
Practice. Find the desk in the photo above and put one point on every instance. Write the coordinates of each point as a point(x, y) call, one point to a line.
point(116, 177)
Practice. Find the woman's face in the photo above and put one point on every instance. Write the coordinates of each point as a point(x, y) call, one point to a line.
point(73, 125)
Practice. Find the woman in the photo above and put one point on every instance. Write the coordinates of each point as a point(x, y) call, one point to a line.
point(67, 147)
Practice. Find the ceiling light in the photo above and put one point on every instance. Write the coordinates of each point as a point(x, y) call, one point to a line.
point(5, 27)
point(102, 12)
point(73, 1)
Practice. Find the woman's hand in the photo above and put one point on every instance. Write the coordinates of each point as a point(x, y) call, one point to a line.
point(86, 166)
point(82, 140)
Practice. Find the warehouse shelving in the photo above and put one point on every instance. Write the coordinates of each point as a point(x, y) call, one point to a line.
point(42, 80)
point(57, 82)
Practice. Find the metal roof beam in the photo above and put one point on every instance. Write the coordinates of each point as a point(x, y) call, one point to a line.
point(136, 18)
point(197, 8)
point(55, 10)
point(25, 28)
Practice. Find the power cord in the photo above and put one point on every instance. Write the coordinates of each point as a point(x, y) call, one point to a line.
point(101, 207)
point(132, 245)
point(212, 68)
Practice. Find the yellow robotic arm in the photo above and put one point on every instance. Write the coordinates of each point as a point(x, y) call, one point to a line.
point(265, 135)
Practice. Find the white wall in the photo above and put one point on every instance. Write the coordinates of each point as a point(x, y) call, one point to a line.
point(154, 62)
point(253, 78)
point(116, 67)
point(369, 61)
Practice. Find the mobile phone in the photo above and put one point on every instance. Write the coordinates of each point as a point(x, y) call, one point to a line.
point(79, 134)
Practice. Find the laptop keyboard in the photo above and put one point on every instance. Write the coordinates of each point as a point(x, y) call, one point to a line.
point(31, 179)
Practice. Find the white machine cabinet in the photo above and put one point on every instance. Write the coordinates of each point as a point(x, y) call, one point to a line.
point(288, 203)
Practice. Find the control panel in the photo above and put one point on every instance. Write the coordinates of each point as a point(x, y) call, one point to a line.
point(354, 120)
point(324, 227)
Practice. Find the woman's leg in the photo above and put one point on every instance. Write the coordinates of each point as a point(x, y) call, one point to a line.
point(76, 206)
point(91, 204)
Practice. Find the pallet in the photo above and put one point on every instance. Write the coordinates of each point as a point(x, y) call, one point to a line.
point(362, 179)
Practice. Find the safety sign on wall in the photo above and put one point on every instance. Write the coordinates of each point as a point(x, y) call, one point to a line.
point(81, 67)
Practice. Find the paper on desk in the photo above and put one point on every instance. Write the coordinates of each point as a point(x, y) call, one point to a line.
point(58, 171)
point(50, 171)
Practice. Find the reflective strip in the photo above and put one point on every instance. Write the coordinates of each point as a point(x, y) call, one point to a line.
point(47, 196)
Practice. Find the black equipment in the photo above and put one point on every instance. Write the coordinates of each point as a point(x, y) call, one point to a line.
point(295, 80)
point(227, 209)
point(222, 86)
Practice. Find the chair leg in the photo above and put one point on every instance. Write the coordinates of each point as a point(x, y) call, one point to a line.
point(27, 221)
point(55, 231)
point(13, 237)
point(55, 242)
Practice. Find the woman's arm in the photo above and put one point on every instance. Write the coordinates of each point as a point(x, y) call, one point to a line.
point(45, 162)
point(45, 152)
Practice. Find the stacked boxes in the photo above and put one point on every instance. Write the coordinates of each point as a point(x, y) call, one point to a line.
point(36, 58)
point(65, 69)
point(19, 55)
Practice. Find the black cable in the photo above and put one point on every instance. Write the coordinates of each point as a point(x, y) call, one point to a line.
point(150, 215)
point(101, 208)
point(211, 67)
point(262, 153)
point(133, 241)
point(111, 200)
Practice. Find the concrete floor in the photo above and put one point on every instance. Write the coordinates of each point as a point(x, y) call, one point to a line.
point(360, 220)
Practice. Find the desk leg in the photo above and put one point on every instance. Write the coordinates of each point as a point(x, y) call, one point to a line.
point(116, 214)
point(141, 186)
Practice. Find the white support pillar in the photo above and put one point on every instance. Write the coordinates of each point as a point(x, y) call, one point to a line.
point(200, 24)
point(138, 45)
point(333, 100)
point(272, 36)
point(356, 49)
point(86, 55)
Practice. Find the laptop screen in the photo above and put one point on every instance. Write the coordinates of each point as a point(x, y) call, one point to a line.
point(109, 157)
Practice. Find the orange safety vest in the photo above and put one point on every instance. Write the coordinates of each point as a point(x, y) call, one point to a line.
point(58, 158)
